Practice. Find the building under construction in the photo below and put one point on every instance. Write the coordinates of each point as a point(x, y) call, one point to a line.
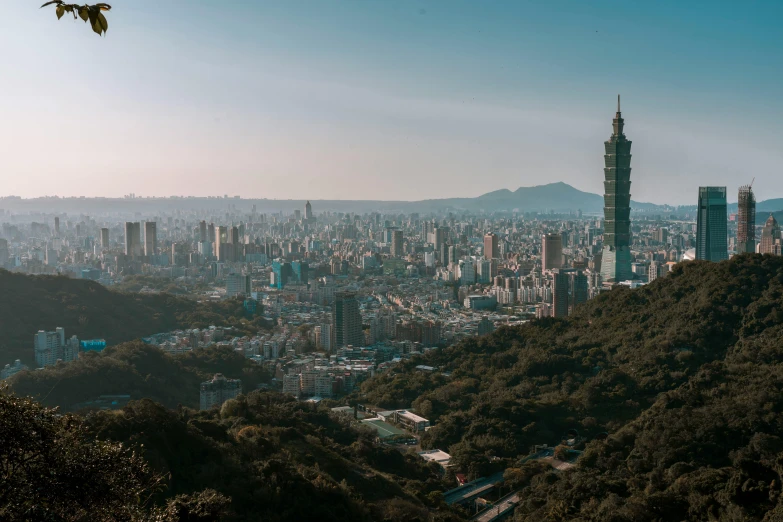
point(746, 220)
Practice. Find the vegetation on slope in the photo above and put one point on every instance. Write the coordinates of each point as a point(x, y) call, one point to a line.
point(684, 374)
point(91, 311)
point(138, 370)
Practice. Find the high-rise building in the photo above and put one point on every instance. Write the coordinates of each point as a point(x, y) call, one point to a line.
point(308, 213)
point(221, 241)
point(551, 251)
point(569, 289)
point(770, 237)
point(56, 226)
point(218, 390)
point(133, 239)
point(150, 238)
point(712, 225)
point(299, 272)
point(491, 250)
point(347, 321)
point(52, 346)
point(238, 284)
point(578, 289)
point(616, 254)
point(653, 271)
point(281, 274)
point(180, 254)
point(559, 293)
point(746, 220)
point(396, 243)
point(104, 238)
point(202, 231)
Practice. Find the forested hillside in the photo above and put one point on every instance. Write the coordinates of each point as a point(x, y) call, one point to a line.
point(685, 375)
point(89, 310)
point(277, 459)
point(138, 370)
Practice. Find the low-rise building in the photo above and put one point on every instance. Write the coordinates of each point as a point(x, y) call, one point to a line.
point(410, 421)
point(11, 369)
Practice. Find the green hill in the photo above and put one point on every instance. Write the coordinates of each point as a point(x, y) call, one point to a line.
point(684, 375)
point(89, 310)
point(138, 370)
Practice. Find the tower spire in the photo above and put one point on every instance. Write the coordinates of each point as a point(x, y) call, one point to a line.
point(618, 103)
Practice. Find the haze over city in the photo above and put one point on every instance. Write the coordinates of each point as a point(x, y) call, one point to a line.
point(389, 100)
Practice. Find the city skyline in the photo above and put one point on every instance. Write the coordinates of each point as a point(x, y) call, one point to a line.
point(329, 95)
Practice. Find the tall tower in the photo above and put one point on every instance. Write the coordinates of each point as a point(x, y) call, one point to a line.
point(491, 250)
point(347, 321)
point(770, 237)
point(104, 238)
point(150, 238)
point(551, 251)
point(308, 213)
point(616, 255)
point(746, 220)
point(396, 242)
point(711, 225)
point(133, 239)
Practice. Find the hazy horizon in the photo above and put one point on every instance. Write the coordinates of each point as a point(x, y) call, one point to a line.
point(395, 101)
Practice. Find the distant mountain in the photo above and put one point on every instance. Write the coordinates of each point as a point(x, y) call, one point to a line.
point(558, 197)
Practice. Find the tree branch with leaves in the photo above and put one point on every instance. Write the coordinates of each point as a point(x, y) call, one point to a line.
point(85, 12)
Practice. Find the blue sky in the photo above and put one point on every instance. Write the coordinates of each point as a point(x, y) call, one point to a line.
point(389, 99)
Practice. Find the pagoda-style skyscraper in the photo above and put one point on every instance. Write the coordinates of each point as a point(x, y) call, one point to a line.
point(616, 255)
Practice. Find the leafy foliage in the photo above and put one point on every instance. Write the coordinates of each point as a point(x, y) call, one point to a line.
point(86, 12)
point(276, 459)
point(50, 469)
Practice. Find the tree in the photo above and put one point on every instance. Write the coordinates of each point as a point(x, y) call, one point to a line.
point(51, 470)
point(85, 12)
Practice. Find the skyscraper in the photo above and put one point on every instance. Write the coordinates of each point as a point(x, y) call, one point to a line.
point(551, 251)
point(711, 225)
point(569, 289)
point(308, 213)
point(104, 238)
point(616, 254)
point(202, 231)
point(221, 240)
point(150, 238)
point(396, 243)
point(132, 238)
point(770, 237)
point(56, 226)
point(491, 246)
point(746, 220)
point(346, 321)
point(559, 293)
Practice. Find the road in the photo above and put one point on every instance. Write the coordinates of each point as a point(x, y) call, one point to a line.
point(503, 507)
point(472, 489)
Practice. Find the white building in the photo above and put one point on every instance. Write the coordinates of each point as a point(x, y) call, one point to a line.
point(219, 390)
point(11, 369)
point(52, 346)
